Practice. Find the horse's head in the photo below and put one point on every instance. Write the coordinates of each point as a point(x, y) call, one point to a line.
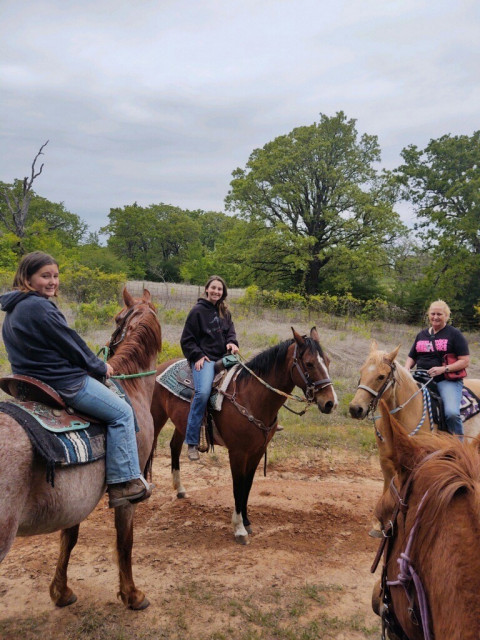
point(376, 378)
point(137, 329)
point(429, 517)
point(310, 371)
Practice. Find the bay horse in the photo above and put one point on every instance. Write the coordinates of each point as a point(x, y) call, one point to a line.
point(30, 506)
point(383, 377)
point(248, 417)
point(431, 522)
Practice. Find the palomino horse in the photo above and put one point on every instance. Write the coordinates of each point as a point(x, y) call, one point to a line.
point(381, 376)
point(248, 417)
point(431, 521)
point(29, 506)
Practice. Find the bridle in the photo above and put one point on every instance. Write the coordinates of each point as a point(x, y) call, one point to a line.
point(376, 395)
point(121, 331)
point(311, 386)
point(407, 574)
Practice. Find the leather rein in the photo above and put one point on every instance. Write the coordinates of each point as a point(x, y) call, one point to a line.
point(311, 387)
point(407, 574)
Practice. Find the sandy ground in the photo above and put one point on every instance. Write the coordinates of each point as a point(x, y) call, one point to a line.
point(310, 532)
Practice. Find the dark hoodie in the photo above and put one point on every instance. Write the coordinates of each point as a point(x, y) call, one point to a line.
point(39, 342)
point(206, 333)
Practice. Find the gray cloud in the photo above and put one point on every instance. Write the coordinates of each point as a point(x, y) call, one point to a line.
point(160, 102)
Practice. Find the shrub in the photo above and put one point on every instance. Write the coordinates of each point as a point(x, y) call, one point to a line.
point(91, 285)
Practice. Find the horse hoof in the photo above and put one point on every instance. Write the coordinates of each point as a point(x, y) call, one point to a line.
point(241, 539)
point(140, 607)
point(249, 530)
point(70, 600)
point(181, 494)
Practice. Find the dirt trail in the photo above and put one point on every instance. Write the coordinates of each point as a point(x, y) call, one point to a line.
point(310, 533)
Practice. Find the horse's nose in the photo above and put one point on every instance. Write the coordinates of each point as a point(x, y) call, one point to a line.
point(328, 407)
point(356, 411)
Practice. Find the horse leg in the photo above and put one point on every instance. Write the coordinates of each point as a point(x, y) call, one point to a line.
point(60, 592)
point(237, 466)
point(131, 597)
point(249, 476)
point(175, 449)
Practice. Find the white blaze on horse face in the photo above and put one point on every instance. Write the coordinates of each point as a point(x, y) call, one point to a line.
point(372, 367)
point(323, 364)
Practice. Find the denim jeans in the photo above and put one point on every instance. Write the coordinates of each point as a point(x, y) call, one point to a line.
point(451, 393)
point(96, 400)
point(202, 381)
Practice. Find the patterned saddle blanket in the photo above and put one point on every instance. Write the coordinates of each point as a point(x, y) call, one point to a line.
point(58, 435)
point(177, 378)
point(469, 405)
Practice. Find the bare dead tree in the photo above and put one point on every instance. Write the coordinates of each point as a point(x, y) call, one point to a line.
point(17, 205)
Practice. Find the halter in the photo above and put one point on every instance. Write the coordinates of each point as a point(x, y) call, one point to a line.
point(390, 382)
point(407, 574)
point(109, 350)
point(311, 386)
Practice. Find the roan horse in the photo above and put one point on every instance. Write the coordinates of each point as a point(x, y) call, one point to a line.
point(248, 417)
point(30, 506)
point(431, 522)
point(381, 376)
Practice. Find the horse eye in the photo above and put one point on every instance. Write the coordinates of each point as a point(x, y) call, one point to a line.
point(382, 377)
point(310, 365)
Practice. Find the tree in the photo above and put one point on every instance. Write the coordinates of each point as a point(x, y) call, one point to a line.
point(318, 181)
point(443, 183)
point(17, 199)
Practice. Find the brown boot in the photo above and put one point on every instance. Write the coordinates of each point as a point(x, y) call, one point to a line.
point(132, 491)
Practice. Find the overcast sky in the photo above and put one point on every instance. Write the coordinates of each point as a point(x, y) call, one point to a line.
point(159, 101)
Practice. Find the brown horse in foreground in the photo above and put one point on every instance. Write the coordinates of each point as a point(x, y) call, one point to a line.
point(248, 419)
point(381, 376)
point(29, 506)
point(431, 524)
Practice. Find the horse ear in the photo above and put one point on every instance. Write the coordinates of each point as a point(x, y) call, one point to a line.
point(393, 354)
point(314, 334)
point(373, 346)
point(298, 338)
point(127, 298)
point(400, 449)
point(147, 297)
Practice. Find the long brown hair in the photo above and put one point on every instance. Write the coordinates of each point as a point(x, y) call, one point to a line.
point(30, 264)
point(221, 304)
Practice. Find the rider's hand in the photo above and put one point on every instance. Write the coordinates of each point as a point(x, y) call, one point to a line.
point(199, 363)
point(232, 347)
point(436, 371)
point(109, 371)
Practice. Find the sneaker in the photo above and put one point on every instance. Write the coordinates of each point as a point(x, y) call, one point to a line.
point(193, 452)
point(132, 491)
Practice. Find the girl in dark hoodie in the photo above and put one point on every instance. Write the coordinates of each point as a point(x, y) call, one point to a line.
point(208, 335)
point(40, 344)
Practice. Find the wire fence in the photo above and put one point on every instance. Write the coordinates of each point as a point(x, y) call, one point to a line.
point(172, 295)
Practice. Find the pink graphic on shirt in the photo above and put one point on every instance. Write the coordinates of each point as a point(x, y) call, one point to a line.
point(426, 346)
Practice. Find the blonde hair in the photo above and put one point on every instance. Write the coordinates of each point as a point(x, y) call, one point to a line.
point(443, 305)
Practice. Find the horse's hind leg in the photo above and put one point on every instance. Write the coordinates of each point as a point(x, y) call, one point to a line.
point(60, 592)
point(175, 449)
point(131, 597)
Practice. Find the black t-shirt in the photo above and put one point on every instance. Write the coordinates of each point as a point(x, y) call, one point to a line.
point(447, 340)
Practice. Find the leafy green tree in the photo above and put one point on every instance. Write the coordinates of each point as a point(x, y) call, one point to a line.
point(319, 181)
point(443, 182)
point(152, 239)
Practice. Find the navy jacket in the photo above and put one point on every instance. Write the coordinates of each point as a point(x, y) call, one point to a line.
point(206, 333)
point(40, 343)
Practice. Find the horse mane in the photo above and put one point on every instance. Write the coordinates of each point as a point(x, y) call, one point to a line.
point(451, 473)
point(134, 353)
point(265, 361)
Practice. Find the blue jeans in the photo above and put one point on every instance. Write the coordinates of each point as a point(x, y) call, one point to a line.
point(451, 393)
point(96, 400)
point(202, 381)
